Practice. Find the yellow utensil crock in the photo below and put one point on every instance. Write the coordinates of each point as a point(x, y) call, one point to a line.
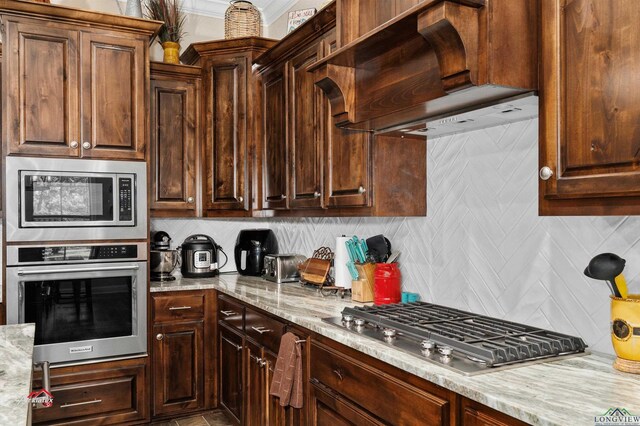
point(625, 326)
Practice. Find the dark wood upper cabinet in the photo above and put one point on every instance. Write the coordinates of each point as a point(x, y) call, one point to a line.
point(306, 105)
point(225, 148)
point(275, 143)
point(42, 84)
point(175, 91)
point(114, 81)
point(347, 155)
point(231, 119)
point(76, 82)
point(589, 135)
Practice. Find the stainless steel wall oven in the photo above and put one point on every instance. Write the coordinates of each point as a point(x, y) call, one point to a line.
point(87, 301)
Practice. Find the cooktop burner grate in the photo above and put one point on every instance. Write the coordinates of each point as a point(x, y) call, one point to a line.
point(489, 340)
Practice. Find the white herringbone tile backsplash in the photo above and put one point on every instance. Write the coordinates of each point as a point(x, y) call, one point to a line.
point(482, 247)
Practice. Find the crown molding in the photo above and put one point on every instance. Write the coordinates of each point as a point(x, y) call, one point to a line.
point(269, 9)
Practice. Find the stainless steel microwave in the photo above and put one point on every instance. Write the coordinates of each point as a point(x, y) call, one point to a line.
point(72, 199)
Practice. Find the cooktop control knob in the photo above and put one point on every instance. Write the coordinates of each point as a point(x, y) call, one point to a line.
point(360, 322)
point(347, 317)
point(389, 332)
point(428, 345)
point(445, 351)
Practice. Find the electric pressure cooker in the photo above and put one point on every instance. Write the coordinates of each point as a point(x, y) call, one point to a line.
point(200, 257)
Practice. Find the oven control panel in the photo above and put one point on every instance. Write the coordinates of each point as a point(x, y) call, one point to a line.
point(78, 253)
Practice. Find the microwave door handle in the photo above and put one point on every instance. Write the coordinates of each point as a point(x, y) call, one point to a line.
point(73, 270)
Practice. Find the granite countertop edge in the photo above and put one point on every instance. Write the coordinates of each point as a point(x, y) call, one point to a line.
point(486, 389)
point(16, 359)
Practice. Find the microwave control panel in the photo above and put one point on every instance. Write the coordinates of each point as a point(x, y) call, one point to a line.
point(125, 189)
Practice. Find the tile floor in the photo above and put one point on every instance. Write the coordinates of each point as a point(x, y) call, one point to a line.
point(212, 418)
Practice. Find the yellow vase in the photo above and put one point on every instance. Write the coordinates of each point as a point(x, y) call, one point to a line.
point(625, 326)
point(171, 52)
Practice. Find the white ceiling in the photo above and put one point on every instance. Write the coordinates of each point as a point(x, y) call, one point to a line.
point(270, 9)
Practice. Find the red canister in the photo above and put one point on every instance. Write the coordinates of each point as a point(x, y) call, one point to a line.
point(386, 288)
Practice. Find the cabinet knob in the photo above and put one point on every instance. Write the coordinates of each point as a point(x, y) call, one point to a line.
point(190, 200)
point(546, 173)
point(283, 197)
point(86, 145)
point(73, 144)
point(317, 194)
point(262, 363)
point(241, 199)
point(159, 336)
point(361, 190)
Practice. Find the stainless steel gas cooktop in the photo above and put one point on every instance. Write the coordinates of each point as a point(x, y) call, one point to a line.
point(461, 341)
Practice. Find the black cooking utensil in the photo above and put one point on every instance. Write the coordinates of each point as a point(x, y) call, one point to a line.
point(379, 248)
point(606, 266)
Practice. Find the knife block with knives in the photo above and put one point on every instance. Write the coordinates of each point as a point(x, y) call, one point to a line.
point(362, 288)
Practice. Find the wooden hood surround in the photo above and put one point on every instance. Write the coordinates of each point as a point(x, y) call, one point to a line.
point(435, 59)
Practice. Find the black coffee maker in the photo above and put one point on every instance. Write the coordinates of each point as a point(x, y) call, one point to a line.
point(252, 245)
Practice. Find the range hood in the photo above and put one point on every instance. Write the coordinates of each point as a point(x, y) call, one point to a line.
point(508, 111)
point(437, 59)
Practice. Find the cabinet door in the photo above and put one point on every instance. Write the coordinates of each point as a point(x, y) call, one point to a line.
point(113, 96)
point(41, 74)
point(173, 147)
point(277, 415)
point(348, 158)
point(231, 394)
point(255, 387)
point(274, 149)
point(178, 367)
point(225, 146)
point(306, 103)
point(589, 134)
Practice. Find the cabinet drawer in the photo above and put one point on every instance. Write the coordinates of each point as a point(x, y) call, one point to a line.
point(111, 396)
point(376, 391)
point(178, 307)
point(264, 330)
point(231, 313)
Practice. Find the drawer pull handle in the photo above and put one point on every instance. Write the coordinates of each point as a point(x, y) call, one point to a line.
point(76, 404)
point(228, 313)
point(179, 308)
point(261, 330)
point(339, 374)
point(238, 347)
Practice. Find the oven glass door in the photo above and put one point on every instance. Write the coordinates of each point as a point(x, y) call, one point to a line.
point(81, 311)
point(65, 199)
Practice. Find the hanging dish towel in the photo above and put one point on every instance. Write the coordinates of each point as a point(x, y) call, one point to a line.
point(287, 378)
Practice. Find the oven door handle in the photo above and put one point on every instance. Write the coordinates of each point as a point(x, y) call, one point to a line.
point(73, 270)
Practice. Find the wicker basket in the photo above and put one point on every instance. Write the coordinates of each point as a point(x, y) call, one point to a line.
point(242, 19)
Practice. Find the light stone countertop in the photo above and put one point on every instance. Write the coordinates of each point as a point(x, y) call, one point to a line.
point(565, 392)
point(16, 359)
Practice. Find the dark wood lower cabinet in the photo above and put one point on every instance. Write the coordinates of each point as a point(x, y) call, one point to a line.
point(341, 386)
point(107, 393)
point(178, 367)
point(183, 352)
point(231, 372)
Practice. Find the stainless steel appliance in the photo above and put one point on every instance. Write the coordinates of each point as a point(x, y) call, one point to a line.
point(461, 341)
point(162, 260)
point(282, 268)
point(87, 301)
point(71, 200)
point(252, 245)
point(200, 257)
